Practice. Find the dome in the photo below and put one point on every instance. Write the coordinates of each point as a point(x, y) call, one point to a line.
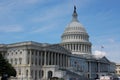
point(75, 38)
point(75, 27)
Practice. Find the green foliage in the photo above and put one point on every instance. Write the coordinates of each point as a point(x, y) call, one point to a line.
point(6, 68)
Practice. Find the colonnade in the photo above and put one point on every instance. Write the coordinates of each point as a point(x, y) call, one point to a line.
point(78, 37)
point(97, 67)
point(40, 58)
point(78, 47)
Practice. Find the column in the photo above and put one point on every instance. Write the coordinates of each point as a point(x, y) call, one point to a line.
point(42, 58)
point(68, 62)
point(55, 58)
point(72, 47)
point(34, 57)
point(67, 46)
point(63, 61)
point(58, 59)
point(90, 69)
point(37, 57)
point(78, 47)
point(75, 47)
point(81, 47)
point(25, 56)
point(51, 58)
point(30, 57)
point(48, 53)
point(45, 58)
point(85, 48)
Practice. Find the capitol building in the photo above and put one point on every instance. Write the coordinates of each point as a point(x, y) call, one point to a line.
point(71, 59)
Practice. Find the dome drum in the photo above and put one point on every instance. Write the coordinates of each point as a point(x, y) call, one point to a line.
point(78, 47)
point(75, 37)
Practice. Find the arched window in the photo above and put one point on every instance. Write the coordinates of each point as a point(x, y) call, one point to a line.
point(28, 60)
point(20, 60)
point(42, 73)
point(15, 60)
point(35, 61)
point(26, 72)
point(50, 74)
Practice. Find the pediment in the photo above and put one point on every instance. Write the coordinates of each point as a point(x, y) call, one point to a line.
point(57, 47)
point(105, 60)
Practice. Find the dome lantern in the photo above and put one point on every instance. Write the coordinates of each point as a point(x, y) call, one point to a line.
point(74, 15)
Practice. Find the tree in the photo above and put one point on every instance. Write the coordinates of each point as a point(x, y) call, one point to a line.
point(6, 68)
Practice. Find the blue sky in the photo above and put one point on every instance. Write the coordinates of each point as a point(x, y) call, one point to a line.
point(45, 20)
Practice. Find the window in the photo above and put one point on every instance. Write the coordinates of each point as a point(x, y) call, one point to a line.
point(32, 52)
point(20, 60)
point(35, 61)
point(32, 60)
point(19, 72)
point(42, 73)
point(50, 74)
point(15, 60)
point(36, 75)
point(39, 61)
point(28, 60)
point(36, 53)
point(26, 72)
point(20, 52)
point(32, 73)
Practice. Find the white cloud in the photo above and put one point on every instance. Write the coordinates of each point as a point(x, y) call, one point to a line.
point(111, 40)
point(11, 28)
point(99, 54)
point(111, 47)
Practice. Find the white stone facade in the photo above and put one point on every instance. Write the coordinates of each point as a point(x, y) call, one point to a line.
point(71, 59)
point(118, 69)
